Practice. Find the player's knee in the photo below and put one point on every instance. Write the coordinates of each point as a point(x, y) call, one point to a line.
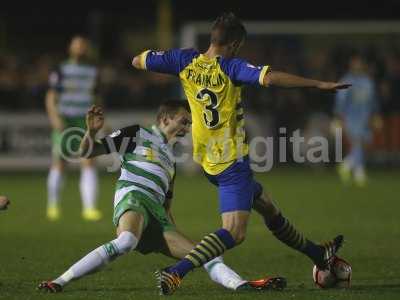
point(58, 165)
point(126, 242)
point(87, 163)
point(238, 234)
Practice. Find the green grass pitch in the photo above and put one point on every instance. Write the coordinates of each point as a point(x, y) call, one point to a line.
point(32, 249)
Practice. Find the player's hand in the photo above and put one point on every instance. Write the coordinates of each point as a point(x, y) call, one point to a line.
point(4, 202)
point(332, 86)
point(94, 119)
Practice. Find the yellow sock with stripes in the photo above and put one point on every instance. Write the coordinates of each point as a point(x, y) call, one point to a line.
point(286, 233)
point(211, 246)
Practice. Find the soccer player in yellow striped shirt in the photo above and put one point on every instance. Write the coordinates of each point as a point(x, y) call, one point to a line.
point(212, 82)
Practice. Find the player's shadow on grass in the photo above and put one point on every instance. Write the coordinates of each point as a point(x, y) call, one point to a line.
point(375, 287)
point(139, 290)
point(188, 291)
point(353, 288)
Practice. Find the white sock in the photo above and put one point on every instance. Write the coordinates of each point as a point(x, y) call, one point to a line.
point(54, 182)
point(348, 163)
point(99, 257)
point(88, 187)
point(360, 174)
point(222, 274)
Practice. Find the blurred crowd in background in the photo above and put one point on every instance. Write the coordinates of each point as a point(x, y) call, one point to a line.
point(24, 82)
point(24, 78)
point(26, 62)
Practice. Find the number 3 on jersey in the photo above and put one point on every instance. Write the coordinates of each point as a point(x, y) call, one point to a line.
point(211, 119)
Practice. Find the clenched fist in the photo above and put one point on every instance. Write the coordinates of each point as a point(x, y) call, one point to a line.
point(94, 119)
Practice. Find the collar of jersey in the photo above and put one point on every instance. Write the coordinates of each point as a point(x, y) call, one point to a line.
point(158, 132)
point(207, 59)
point(79, 63)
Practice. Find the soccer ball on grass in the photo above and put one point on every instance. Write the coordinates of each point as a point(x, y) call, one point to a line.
point(339, 275)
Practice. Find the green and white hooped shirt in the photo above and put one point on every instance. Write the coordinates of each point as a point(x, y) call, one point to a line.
point(147, 160)
point(76, 84)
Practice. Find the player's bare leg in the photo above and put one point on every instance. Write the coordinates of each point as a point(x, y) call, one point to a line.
point(360, 175)
point(236, 223)
point(283, 230)
point(88, 188)
point(54, 184)
point(178, 245)
point(129, 231)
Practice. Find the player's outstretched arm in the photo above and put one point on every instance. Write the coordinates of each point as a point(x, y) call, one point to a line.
point(89, 148)
point(282, 79)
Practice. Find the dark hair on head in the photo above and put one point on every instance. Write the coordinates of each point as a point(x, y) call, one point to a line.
point(79, 36)
point(355, 52)
point(170, 107)
point(227, 28)
point(359, 54)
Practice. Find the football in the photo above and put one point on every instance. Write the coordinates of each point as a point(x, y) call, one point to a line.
point(323, 278)
point(342, 271)
point(338, 276)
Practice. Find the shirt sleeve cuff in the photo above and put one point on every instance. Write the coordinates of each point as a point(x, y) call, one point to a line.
point(143, 57)
point(105, 144)
point(263, 72)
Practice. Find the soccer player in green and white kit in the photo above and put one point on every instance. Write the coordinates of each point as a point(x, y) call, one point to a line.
point(72, 92)
point(143, 197)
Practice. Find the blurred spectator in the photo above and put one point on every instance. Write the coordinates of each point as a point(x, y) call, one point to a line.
point(73, 90)
point(354, 108)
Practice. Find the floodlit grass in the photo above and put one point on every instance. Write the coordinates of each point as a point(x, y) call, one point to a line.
point(33, 249)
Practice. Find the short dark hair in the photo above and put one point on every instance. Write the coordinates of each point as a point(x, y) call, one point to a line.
point(170, 107)
point(227, 28)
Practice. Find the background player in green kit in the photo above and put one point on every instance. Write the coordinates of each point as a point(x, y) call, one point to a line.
point(72, 92)
point(143, 198)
